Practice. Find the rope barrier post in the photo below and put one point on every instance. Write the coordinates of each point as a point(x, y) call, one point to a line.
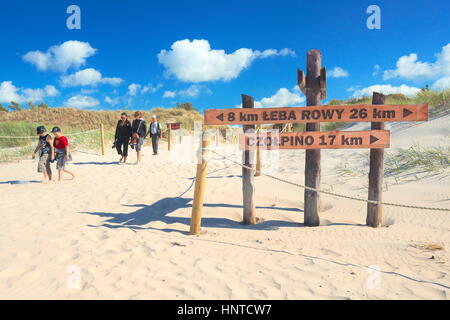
point(102, 139)
point(169, 137)
point(248, 181)
point(258, 157)
point(374, 210)
point(314, 87)
point(289, 127)
point(199, 190)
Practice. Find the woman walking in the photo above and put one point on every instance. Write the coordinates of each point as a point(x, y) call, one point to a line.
point(138, 133)
point(46, 153)
point(122, 137)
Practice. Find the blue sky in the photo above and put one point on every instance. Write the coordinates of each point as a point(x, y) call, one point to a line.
point(146, 54)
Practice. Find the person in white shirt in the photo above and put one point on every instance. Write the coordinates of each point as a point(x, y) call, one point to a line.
point(155, 133)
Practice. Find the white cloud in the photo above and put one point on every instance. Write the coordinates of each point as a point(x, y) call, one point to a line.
point(408, 67)
point(79, 102)
point(51, 91)
point(376, 70)
point(111, 101)
point(337, 72)
point(9, 92)
point(386, 89)
point(152, 89)
point(88, 77)
point(193, 91)
point(133, 88)
point(88, 91)
point(353, 88)
point(195, 61)
point(70, 54)
point(442, 84)
point(40, 94)
point(169, 94)
point(282, 98)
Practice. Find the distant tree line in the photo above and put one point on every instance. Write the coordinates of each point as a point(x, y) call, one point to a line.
point(186, 106)
point(14, 106)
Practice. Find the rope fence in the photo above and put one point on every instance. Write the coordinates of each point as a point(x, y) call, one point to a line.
point(327, 192)
point(34, 137)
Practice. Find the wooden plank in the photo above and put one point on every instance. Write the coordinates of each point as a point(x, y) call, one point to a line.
point(313, 114)
point(376, 169)
point(312, 157)
point(248, 180)
point(316, 140)
point(102, 139)
point(199, 191)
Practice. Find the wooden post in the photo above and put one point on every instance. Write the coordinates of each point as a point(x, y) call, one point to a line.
point(248, 181)
point(169, 137)
point(217, 137)
point(374, 212)
point(199, 190)
point(102, 138)
point(258, 157)
point(314, 87)
point(289, 127)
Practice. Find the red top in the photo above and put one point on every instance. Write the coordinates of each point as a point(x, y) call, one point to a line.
point(60, 142)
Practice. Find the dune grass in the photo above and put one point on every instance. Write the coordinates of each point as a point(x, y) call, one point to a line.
point(430, 160)
point(22, 139)
point(87, 119)
point(415, 161)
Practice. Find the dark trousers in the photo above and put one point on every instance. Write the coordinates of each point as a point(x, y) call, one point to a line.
point(155, 140)
point(122, 147)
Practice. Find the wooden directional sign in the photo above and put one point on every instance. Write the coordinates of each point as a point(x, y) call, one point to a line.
point(316, 140)
point(175, 126)
point(347, 113)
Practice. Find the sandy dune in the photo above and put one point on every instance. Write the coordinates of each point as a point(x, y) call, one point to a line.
point(119, 231)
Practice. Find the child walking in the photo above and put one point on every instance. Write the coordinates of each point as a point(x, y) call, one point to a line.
point(46, 153)
point(62, 153)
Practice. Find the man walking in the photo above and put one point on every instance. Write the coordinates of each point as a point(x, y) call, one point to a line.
point(155, 133)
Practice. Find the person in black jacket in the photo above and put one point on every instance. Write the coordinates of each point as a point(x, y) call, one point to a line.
point(139, 131)
point(122, 137)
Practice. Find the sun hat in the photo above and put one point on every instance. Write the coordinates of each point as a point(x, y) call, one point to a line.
point(40, 129)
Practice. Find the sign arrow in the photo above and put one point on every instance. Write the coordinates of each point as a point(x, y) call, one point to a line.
point(373, 139)
point(344, 113)
point(315, 140)
point(406, 112)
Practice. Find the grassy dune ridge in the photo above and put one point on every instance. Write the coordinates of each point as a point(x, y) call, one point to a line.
point(76, 125)
point(25, 121)
point(72, 119)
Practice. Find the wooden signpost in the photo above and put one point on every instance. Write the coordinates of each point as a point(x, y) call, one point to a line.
point(248, 180)
point(171, 126)
point(316, 140)
point(313, 85)
point(311, 114)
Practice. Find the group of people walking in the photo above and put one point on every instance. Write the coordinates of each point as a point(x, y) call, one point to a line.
point(127, 134)
point(133, 134)
point(51, 150)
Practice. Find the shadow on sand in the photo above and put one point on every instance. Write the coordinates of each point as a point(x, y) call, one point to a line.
point(20, 182)
point(160, 210)
point(96, 163)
